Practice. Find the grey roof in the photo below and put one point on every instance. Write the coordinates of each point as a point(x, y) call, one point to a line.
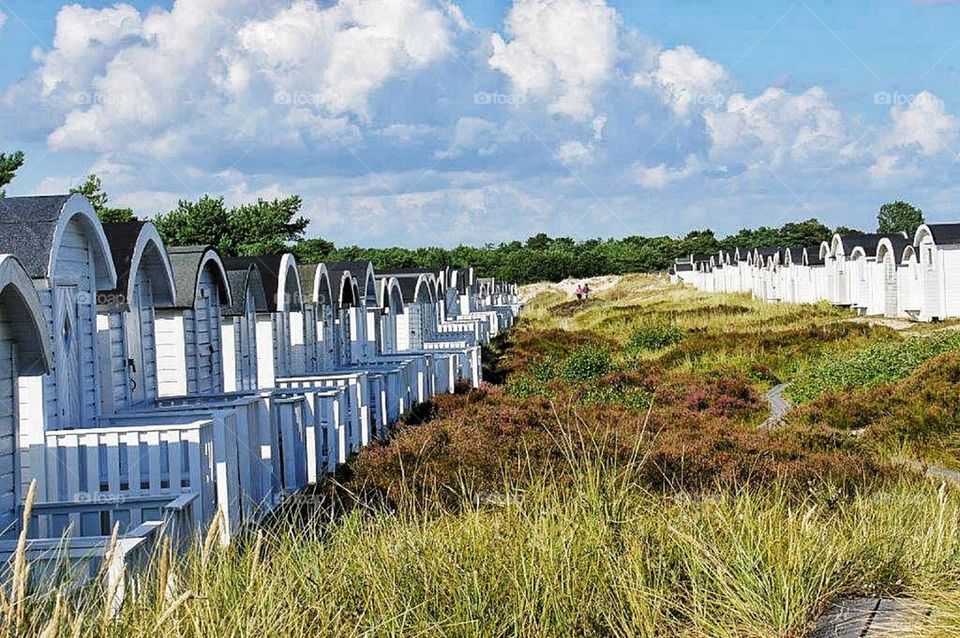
point(813, 256)
point(795, 253)
point(241, 279)
point(683, 266)
point(945, 234)
point(269, 267)
point(357, 269)
point(307, 273)
point(868, 242)
point(186, 261)
point(27, 227)
point(123, 241)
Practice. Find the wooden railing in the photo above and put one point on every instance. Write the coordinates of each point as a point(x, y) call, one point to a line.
point(125, 474)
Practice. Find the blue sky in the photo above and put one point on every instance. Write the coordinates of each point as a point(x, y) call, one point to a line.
point(418, 122)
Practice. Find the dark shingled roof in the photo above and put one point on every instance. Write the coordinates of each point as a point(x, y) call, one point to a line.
point(123, 240)
point(27, 226)
point(240, 280)
point(307, 273)
point(868, 242)
point(407, 278)
point(186, 261)
point(813, 256)
point(795, 253)
point(269, 267)
point(683, 266)
point(357, 269)
point(945, 234)
point(899, 243)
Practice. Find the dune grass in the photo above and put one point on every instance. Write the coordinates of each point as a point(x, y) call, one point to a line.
point(596, 557)
point(612, 483)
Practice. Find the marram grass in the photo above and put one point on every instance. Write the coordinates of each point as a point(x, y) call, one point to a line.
point(601, 557)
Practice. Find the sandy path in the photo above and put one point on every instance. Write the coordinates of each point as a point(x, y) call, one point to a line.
point(569, 286)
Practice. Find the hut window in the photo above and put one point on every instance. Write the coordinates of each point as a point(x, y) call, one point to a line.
point(67, 332)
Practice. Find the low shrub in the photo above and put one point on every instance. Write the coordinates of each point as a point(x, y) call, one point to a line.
point(653, 336)
point(587, 362)
point(880, 362)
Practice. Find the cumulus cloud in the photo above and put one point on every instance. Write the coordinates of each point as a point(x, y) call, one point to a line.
point(685, 79)
point(228, 70)
point(776, 128)
point(3, 19)
point(574, 153)
point(561, 51)
point(917, 132)
point(661, 176)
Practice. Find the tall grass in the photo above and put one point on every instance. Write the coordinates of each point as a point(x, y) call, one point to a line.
point(599, 556)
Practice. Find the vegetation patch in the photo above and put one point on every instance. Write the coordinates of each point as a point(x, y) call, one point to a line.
point(880, 362)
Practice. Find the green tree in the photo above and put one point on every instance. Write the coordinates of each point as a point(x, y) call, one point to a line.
point(9, 165)
point(262, 228)
point(93, 191)
point(205, 221)
point(846, 230)
point(313, 250)
point(899, 216)
point(265, 227)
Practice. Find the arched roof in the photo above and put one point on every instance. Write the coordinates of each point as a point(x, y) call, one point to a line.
point(188, 263)
point(31, 229)
point(135, 245)
point(892, 245)
point(868, 243)
point(941, 234)
point(322, 290)
point(391, 295)
point(793, 256)
point(344, 277)
point(244, 279)
point(280, 277)
point(22, 308)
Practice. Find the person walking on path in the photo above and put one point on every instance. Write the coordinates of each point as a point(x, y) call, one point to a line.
point(586, 292)
point(579, 293)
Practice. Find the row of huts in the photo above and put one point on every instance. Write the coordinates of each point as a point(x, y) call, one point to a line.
point(153, 389)
point(896, 276)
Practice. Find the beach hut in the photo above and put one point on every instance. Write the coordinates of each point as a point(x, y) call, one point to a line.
point(280, 324)
point(62, 247)
point(126, 316)
point(886, 295)
point(189, 338)
point(239, 330)
point(938, 251)
point(910, 283)
point(391, 303)
point(25, 352)
point(345, 288)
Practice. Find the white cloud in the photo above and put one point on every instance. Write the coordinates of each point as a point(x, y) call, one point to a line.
point(923, 124)
point(3, 19)
point(918, 132)
point(777, 128)
point(574, 153)
point(661, 176)
point(230, 71)
point(561, 51)
point(685, 79)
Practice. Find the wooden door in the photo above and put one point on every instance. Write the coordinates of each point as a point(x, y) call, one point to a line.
point(68, 335)
point(9, 470)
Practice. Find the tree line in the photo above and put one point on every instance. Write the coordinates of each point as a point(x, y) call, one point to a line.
point(274, 226)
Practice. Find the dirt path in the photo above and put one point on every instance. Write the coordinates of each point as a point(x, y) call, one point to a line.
point(779, 406)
